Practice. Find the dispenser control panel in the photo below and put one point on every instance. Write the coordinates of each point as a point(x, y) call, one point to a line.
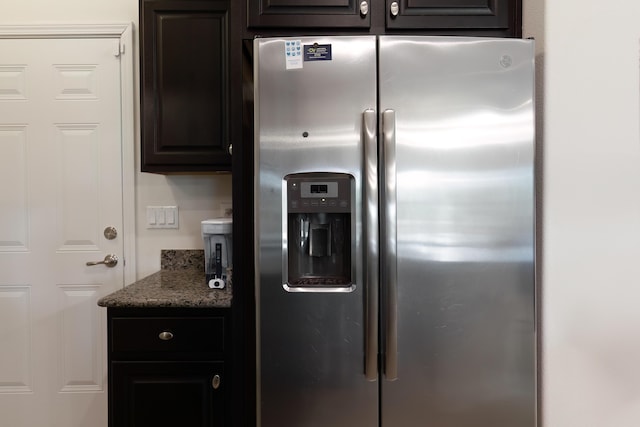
point(320, 192)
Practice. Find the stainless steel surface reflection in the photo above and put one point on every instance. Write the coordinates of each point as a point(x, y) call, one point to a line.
point(465, 231)
point(311, 344)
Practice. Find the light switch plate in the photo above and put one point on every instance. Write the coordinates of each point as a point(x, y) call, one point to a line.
point(162, 217)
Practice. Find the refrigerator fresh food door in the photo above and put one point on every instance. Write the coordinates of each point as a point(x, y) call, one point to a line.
point(313, 98)
point(458, 246)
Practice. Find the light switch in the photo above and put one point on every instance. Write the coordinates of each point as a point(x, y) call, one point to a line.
point(161, 217)
point(151, 216)
point(170, 217)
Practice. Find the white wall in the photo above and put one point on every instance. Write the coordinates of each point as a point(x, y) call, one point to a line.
point(591, 211)
point(198, 197)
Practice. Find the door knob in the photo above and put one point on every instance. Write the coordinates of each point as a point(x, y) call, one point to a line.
point(110, 261)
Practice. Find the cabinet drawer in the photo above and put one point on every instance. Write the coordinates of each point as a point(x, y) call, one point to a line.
point(167, 335)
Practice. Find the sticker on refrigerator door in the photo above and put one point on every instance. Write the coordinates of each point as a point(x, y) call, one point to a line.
point(293, 54)
point(317, 52)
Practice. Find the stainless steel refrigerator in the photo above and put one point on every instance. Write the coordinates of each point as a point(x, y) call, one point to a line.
point(394, 206)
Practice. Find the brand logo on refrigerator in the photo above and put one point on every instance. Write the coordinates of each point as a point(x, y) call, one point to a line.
point(317, 52)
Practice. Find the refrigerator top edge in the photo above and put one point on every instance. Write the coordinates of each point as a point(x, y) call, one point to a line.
point(323, 39)
point(452, 39)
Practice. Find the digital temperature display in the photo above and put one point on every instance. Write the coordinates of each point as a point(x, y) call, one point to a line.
point(319, 188)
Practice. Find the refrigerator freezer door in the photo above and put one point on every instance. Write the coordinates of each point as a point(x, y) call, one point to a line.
point(311, 345)
point(464, 207)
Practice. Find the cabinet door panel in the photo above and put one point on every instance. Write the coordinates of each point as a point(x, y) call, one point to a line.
point(307, 14)
point(184, 67)
point(450, 14)
point(166, 394)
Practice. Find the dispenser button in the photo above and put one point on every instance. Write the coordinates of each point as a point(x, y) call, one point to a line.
point(344, 204)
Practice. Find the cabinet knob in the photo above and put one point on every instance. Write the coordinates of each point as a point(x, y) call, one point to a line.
point(364, 8)
point(394, 8)
point(215, 382)
point(230, 149)
point(165, 335)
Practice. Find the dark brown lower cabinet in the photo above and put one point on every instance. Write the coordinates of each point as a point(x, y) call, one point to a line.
point(167, 367)
point(167, 394)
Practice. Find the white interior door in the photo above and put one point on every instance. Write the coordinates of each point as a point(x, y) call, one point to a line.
point(60, 186)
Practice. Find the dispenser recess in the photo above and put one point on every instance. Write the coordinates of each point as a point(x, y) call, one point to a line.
point(319, 235)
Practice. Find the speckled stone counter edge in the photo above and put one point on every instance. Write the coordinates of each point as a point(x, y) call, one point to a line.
point(179, 283)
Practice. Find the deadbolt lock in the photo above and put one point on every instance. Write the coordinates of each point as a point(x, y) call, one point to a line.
point(110, 233)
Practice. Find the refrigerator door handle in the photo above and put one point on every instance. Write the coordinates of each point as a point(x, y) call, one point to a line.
point(369, 125)
point(389, 251)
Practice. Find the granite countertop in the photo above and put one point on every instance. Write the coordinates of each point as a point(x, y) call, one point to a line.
point(179, 283)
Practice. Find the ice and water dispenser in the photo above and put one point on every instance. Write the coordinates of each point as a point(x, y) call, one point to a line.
point(216, 234)
point(319, 211)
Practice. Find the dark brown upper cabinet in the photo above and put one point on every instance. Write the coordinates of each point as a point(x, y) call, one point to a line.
point(307, 14)
point(464, 17)
point(184, 53)
point(448, 14)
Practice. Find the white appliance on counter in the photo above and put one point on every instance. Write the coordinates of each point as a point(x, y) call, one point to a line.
point(218, 252)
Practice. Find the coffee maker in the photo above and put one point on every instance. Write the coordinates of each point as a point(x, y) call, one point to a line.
point(318, 223)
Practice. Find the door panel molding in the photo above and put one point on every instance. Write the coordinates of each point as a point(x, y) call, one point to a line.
point(13, 168)
point(80, 360)
point(15, 310)
point(128, 97)
point(22, 31)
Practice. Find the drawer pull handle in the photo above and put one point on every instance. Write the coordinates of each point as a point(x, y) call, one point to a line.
point(165, 336)
point(215, 382)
